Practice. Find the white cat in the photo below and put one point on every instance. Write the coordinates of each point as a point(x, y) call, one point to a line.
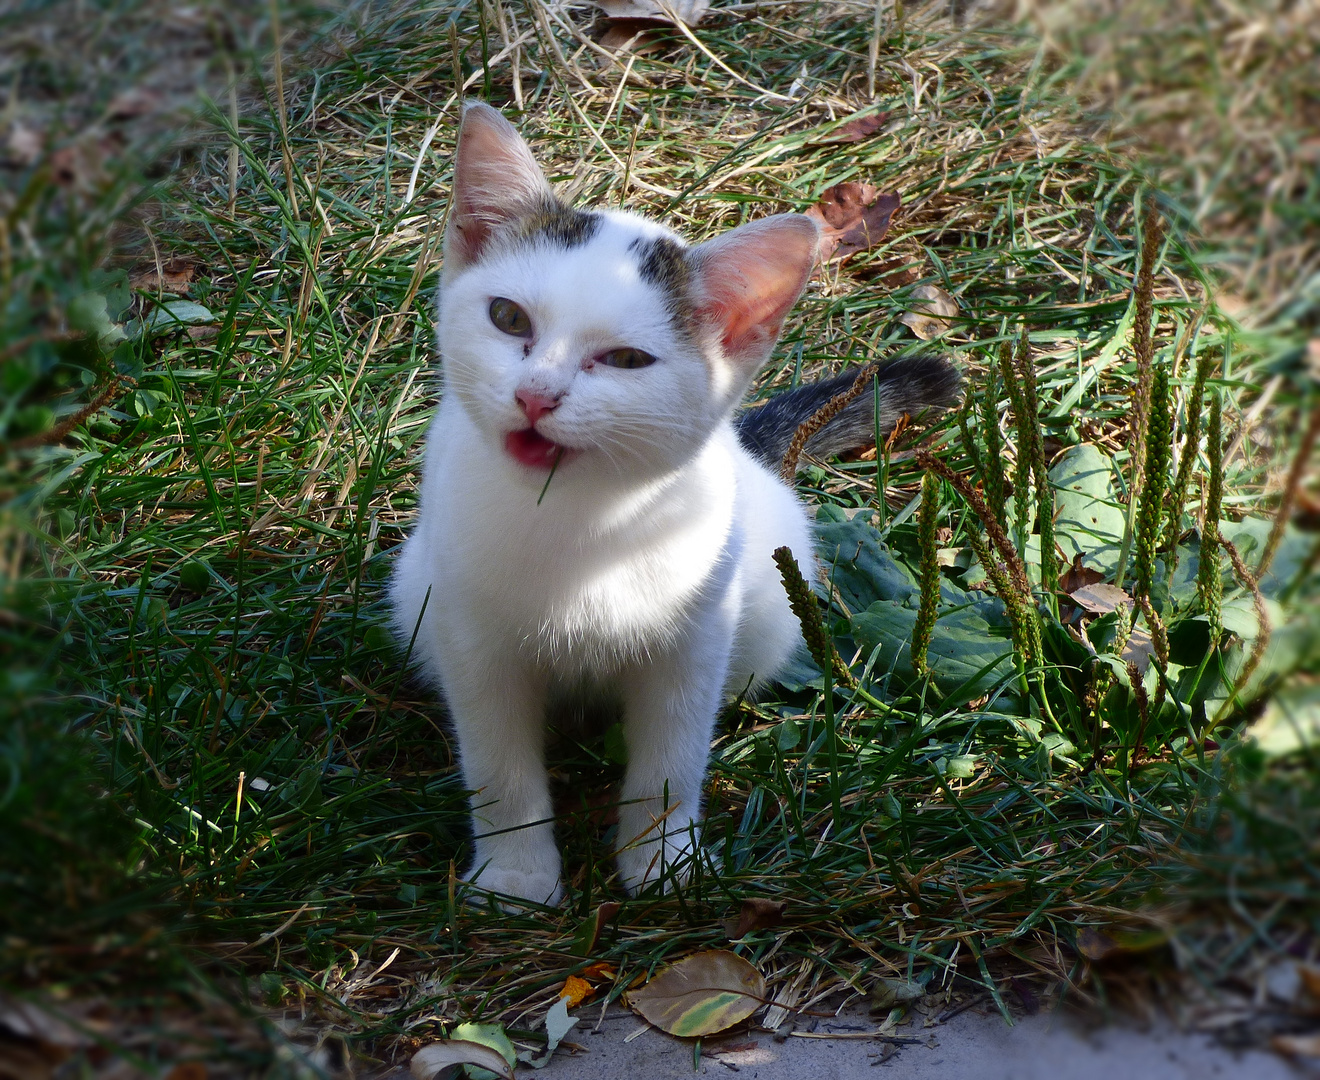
point(590, 518)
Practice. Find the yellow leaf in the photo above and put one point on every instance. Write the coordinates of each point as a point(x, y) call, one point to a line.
point(576, 990)
point(601, 969)
point(700, 995)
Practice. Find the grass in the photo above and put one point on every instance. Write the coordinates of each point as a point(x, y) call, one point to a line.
point(219, 766)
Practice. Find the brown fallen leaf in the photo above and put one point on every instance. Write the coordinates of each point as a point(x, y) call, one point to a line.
point(1100, 598)
point(890, 993)
point(138, 101)
point(29, 1061)
point(1078, 575)
point(1297, 1045)
point(187, 1070)
point(932, 310)
point(757, 913)
point(638, 36)
point(172, 276)
point(1310, 980)
point(852, 217)
point(861, 126)
point(1139, 649)
point(701, 994)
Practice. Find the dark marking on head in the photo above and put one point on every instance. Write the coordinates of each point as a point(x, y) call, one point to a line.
point(561, 225)
point(663, 264)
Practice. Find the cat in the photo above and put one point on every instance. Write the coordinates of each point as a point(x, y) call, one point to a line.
point(591, 519)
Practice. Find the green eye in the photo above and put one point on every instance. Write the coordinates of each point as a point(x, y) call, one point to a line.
point(509, 317)
point(627, 358)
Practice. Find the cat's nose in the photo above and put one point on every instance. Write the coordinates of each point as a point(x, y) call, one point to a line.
point(536, 405)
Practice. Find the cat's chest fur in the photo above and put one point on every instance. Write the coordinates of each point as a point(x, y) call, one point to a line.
point(594, 574)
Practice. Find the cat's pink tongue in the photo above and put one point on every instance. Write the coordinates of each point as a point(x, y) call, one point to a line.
point(533, 449)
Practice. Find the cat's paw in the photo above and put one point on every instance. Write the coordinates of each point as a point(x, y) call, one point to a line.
point(658, 864)
point(536, 887)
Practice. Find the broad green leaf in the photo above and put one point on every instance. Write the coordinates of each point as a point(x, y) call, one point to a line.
point(859, 564)
point(89, 313)
point(1088, 521)
point(964, 646)
point(492, 1037)
point(1291, 722)
point(171, 316)
point(195, 575)
point(431, 1061)
point(700, 995)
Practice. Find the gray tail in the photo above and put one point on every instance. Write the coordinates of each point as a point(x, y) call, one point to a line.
point(906, 386)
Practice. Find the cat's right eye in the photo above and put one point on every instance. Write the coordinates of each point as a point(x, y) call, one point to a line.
point(510, 318)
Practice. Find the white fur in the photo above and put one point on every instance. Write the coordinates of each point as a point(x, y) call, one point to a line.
point(646, 569)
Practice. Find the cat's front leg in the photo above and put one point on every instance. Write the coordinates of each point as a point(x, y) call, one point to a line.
point(670, 709)
point(499, 716)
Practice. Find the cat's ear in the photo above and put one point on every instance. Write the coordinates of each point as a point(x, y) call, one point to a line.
point(495, 179)
point(746, 281)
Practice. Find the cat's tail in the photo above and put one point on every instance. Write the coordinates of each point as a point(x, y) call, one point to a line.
point(906, 386)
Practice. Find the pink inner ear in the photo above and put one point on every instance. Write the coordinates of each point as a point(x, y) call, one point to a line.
point(751, 277)
point(495, 178)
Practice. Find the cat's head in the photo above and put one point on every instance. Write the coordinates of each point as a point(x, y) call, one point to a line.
point(599, 340)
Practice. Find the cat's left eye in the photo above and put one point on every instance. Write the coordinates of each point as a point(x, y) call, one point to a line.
point(509, 317)
point(627, 358)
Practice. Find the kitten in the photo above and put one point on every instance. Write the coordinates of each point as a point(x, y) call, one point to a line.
point(591, 519)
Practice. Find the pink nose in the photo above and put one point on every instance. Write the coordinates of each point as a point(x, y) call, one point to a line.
point(535, 405)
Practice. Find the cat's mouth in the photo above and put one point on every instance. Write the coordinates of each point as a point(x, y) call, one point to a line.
point(534, 450)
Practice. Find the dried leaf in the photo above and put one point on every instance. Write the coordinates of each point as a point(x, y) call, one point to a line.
point(1077, 575)
point(187, 1070)
point(432, 1060)
point(931, 312)
point(1297, 1045)
point(24, 145)
point(757, 913)
point(172, 276)
point(589, 930)
point(891, 992)
point(1138, 649)
point(636, 35)
point(852, 217)
point(1095, 944)
point(690, 11)
point(859, 127)
point(22, 1061)
point(700, 995)
point(575, 991)
point(135, 102)
point(1310, 980)
point(602, 969)
point(1100, 599)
